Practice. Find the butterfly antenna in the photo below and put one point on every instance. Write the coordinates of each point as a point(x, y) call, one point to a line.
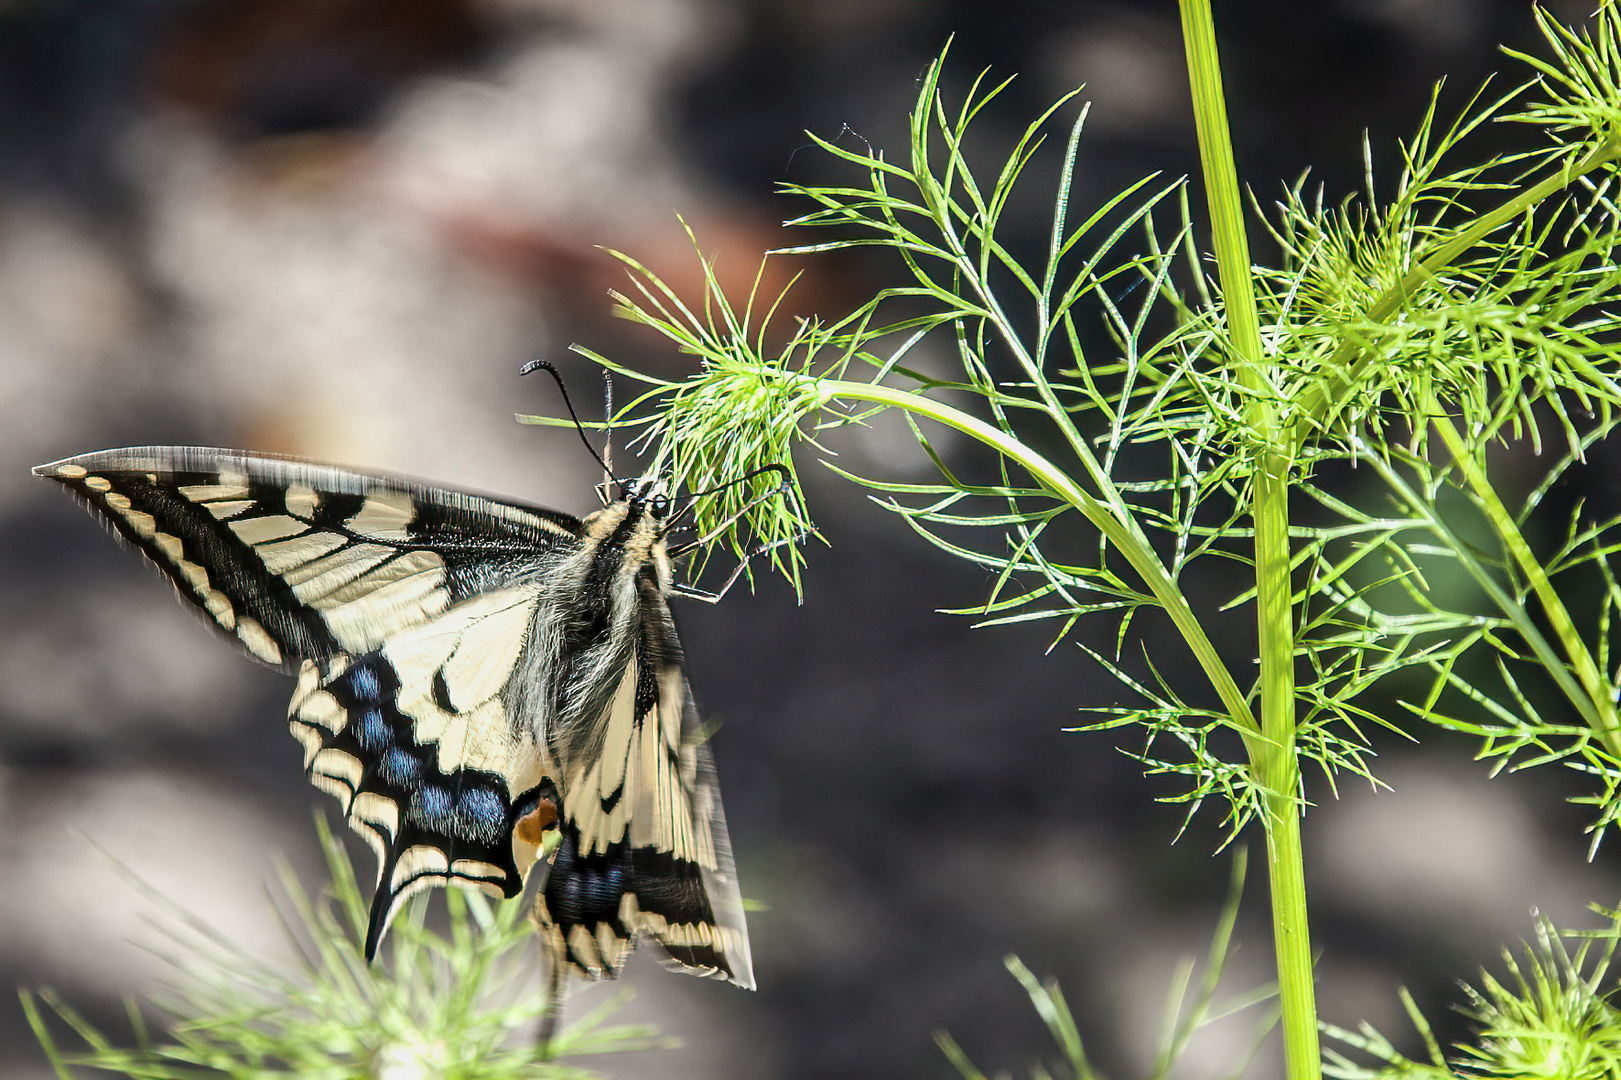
point(784, 476)
point(546, 366)
point(607, 428)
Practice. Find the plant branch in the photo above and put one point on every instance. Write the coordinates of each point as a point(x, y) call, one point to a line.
point(1320, 401)
point(1600, 712)
point(1124, 535)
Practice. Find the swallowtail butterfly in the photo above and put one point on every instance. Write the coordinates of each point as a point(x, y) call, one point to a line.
point(480, 682)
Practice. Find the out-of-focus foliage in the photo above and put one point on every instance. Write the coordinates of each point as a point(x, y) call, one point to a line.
point(1551, 1016)
point(453, 1006)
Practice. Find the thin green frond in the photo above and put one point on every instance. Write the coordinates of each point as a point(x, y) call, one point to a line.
point(1550, 1017)
point(1185, 1015)
point(460, 1007)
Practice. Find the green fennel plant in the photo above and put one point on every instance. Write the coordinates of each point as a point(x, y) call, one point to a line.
point(442, 1006)
point(1550, 1017)
point(1409, 335)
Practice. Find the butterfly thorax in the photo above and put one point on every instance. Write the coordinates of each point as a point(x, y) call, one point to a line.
point(589, 626)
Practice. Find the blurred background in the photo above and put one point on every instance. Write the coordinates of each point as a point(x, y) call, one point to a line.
point(336, 228)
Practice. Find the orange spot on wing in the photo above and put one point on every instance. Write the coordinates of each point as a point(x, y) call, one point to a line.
point(531, 828)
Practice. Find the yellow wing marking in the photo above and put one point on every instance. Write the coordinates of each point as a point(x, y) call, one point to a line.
point(475, 869)
point(258, 642)
point(144, 524)
point(376, 818)
point(644, 760)
point(465, 658)
point(308, 737)
point(419, 859)
point(227, 509)
point(378, 604)
point(384, 516)
point(322, 709)
point(339, 765)
point(254, 531)
point(285, 555)
point(226, 488)
point(320, 578)
point(219, 606)
point(301, 501)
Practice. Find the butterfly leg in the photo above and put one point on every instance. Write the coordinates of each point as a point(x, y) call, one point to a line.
point(692, 593)
point(735, 518)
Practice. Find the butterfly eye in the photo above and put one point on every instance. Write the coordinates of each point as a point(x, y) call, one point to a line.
point(660, 505)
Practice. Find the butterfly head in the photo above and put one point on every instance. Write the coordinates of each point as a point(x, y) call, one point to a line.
point(646, 497)
point(628, 533)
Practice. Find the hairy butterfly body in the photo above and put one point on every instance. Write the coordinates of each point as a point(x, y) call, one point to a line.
point(482, 684)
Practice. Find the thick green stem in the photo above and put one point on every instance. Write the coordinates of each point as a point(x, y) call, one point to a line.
point(1601, 715)
point(1227, 232)
point(1297, 995)
point(1279, 772)
point(1272, 759)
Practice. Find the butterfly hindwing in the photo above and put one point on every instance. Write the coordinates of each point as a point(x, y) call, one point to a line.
point(432, 765)
point(302, 561)
point(644, 847)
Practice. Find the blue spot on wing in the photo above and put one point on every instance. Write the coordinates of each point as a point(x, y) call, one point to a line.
point(476, 814)
point(364, 684)
point(430, 807)
point(482, 810)
point(399, 768)
point(372, 732)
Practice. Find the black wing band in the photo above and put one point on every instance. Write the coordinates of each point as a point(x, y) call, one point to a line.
point(297, 560)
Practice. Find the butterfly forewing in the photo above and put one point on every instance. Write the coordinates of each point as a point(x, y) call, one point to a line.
point(472, 673)
point(302, 561)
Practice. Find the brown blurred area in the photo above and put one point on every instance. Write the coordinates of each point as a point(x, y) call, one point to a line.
point(336, 228)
